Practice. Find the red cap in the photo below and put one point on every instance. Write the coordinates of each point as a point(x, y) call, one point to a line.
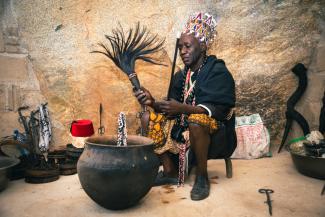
point(82, 128)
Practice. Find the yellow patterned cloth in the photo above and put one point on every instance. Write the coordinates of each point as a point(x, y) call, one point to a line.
point(204, 120)
point(159, 130)
point(160, 127)
point(156, 132)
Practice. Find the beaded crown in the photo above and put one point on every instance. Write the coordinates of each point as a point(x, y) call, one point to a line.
point(203, 25)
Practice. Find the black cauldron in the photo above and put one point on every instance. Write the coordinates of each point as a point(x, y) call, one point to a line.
point(308, 165)
point(117, 177)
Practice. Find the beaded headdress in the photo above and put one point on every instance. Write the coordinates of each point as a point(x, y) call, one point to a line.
point(203, 25)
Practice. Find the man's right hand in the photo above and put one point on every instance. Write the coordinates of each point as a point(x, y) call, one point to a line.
point(144, 97)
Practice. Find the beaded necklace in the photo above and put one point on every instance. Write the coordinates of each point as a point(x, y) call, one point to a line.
point(188, 89)
point(188, 96)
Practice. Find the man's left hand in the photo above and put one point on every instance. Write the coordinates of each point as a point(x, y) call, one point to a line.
point(171, 107)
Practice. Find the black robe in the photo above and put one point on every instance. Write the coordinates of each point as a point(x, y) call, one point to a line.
point(214, 91)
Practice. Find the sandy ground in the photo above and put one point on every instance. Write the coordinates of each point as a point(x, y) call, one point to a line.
point(294, 195)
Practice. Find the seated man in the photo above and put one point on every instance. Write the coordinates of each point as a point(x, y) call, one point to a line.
point(202, 97)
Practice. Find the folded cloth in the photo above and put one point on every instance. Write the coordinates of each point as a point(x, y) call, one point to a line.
point(161, 179)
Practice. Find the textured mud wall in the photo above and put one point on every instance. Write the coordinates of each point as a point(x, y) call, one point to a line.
point(259, 40)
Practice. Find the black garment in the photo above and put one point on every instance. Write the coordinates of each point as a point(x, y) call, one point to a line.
point(215, 91)
point(215, 87)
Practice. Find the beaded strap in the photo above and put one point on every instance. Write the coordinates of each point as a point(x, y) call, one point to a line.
point(181, 164)
point(181, 120)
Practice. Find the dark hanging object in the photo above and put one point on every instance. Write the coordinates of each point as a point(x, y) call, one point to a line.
point(322, 117)
point(291, 114)
point(137, 44)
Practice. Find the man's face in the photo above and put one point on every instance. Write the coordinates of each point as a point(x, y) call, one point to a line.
point(189, 49)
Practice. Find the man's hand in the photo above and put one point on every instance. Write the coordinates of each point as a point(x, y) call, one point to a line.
point(171, 107)
point(144, 97)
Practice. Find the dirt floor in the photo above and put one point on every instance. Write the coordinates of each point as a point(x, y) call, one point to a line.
point(294, 195)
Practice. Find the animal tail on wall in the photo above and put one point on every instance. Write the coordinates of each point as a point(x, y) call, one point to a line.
point(126, 48)
point(322, 117)
point(291, 114)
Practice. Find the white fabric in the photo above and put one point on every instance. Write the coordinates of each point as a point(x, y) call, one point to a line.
point(206, 108)
point(253, 139)
point(314, 137)
point(45, 133)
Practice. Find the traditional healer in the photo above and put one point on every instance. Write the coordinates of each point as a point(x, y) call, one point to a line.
point(202, 100)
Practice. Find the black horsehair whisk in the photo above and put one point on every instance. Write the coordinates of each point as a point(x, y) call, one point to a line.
point(126, 48)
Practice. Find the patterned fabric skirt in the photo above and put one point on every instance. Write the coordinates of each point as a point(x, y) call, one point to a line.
point(159, 130)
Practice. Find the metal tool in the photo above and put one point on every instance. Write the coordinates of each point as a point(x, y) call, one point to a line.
point(323, 191)
point(101, 129)
point(268, 198)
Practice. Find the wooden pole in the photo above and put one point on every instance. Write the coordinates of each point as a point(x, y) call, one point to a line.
point(173, 69)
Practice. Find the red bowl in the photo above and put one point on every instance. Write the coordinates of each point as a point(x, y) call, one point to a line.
point(82, 128)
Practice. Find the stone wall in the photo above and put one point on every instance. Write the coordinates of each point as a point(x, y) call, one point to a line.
point(18, 83)
point(45, 56)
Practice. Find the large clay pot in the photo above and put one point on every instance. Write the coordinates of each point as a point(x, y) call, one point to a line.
point(117, 177)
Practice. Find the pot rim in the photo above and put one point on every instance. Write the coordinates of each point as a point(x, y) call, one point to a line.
point(13, 162)
point(145, 141)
